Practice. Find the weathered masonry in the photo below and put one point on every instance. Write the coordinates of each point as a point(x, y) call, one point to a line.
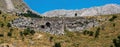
point(55, 25)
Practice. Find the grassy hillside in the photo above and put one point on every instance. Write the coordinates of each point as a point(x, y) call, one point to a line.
point(101, 36)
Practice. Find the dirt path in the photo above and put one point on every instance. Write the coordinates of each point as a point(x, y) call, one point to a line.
point(10, 5)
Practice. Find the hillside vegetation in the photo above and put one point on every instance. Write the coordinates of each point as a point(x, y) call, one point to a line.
point(105, 35)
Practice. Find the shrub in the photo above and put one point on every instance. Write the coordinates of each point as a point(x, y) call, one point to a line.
point(27, 32)
point(32, 32)
point(8, 25)
point(11, 30)
point(85, 32)
point(116, 42)
point(57, 45)
point(9, 34)
point(0, 12)
point(51, 38)
point(91, 33)
point(1, 35)
point(118, 37)
point(1, 24)
point(113, 24)
point(97, 33)
point(113, 17)
point(4, 17)
point(21, 33)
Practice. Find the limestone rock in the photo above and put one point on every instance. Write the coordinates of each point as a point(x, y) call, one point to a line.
point(93, 11)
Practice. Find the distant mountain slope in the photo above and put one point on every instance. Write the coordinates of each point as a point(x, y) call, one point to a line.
point(101, 10)
point(13, 5)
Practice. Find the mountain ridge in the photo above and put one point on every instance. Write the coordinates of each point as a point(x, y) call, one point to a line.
point(93, 11)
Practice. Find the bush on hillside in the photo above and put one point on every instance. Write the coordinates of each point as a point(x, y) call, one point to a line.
point(97, 33)
point(113, 18)
point(116, 42)
point(0, 12)
point(91, 33)
point(1, 35)
point(57, 45)
point(86, 32)
point(113, 24)
point(8, 25)
point(9, 34)
point(27, 32)
point(1, 24)
point(51, 38)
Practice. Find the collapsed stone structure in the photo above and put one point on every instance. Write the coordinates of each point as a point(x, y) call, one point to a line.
point(55, 25)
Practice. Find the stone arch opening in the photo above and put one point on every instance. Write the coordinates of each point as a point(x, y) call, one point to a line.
point(42, 26)
point(48, 24)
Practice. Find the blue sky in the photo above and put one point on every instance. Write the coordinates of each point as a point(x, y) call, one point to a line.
point(42, 6)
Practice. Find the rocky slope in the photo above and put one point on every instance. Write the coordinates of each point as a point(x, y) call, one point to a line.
point(13, 6)
point(93, 11)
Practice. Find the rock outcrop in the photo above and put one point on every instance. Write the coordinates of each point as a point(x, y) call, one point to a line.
point(94, 11)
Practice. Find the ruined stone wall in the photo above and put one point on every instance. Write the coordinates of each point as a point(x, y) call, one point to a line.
point(55, 25)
